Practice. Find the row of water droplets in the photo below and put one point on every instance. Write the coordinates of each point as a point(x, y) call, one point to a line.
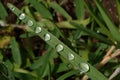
point(83, 67)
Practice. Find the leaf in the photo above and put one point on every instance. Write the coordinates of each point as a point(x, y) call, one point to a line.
point(3, 12)
point(80, 10)
point(15, 51)
point(66, 24)
point(62, 49)
point(23, 71)
point(114, 31)
point(91, 33)
point(10, 67)
point(3, 72)
point(68, 74)
point(41, 9)
point(59, 9)
point(99, 22)
point(41, 65)
point(24, 76)
point(1, 55)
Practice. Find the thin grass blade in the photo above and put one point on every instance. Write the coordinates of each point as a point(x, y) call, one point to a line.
point(80, 9)
point(111, 26)
point(91, 33)
point(59, 9)
point(41, 9)
point(3, 12)
point(15, 51)
point(103, 27)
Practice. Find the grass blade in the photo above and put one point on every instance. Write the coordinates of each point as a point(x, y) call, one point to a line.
point(80, 10)
point(41, 9)
point(59, 9)
point(91, 33)
point(3, 12)
point(15, 51)
point(114, 31)
point(62, 49)
point(103, 27)
point(118, 10)
point(68, 74)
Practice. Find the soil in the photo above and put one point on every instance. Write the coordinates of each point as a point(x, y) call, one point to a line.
point(110, 6)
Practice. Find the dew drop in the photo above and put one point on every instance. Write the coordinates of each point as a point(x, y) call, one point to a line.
point(47, 37)
point(30, 23)
point(84, 67)
point(98, 31)
point(59, 47)
point(115, 42)
point(70, 57)
point(38, 30)
point(22, 16)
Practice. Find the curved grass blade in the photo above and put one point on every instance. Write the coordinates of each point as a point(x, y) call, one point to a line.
point(66, 24)
point(111, 26)
point(68, 74)
point(59, 9)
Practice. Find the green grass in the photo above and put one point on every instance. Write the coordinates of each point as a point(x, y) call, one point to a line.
point(65, 49)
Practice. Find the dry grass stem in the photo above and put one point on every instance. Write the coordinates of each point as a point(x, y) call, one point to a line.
point(109, 55)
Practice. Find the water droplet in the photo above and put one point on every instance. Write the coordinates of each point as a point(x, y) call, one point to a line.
point(59, 47)
point(22, 16)
point(115, 42)
point(47, 37)
point(84, 67)
point(70, 56)
point(38, 30)
point(98, 31)
point(30, 23)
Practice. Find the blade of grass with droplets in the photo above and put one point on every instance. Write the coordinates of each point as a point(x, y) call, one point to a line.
point(74, 59)
point(111, 26)
point(80, 9)
point(15, 51)
point(59, 9)
point(41, 9)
